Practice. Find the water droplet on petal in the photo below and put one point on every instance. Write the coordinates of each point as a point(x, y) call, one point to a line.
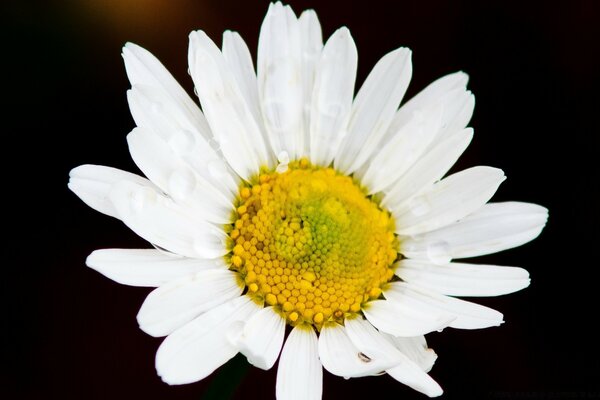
point(189, 72)
point(182, 141)
point(283, 157)
point(419, 206)
point(281, 168)
point(439, 252)
point(217, 169)
point(181, 184)
point(156, 107)
point(196, 91)
point(142, 197)
point(332, 110)
point(235, 333)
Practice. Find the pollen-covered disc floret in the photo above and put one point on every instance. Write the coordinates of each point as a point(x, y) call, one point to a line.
point(310, 243)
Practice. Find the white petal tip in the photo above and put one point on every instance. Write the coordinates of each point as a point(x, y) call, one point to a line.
point(462, 77)
point(260, 362)
point(90, 261)
point(310, 13)
point(402, 52)
point(130, 46)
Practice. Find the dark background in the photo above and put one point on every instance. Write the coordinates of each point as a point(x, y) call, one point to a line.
point(70, 333)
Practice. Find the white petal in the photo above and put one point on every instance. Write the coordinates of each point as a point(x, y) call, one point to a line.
point(146, 267)
point(155, 112)
point(372, 343)
point(401, 319)
point(458, 110)
point(468, 315)
point(175, 303)
point(160, 163)
point(299, 374)
point(495, 227)
point(456, 279)
point(443, 91)
point(431, 167)
point(369, 341)
point(262, 337)
point(280, 85)
point(162, 222)
point(415, 348)
point(373, 109)
point(457, 106)
point(194, 351)
point(230, 118)
point(448, 201)
point(341, 357)
point(239, 59)
point(402, 150)
point(332, 96)
point(411, 375)
point(145, 69)
point(311, 44)
point(92, 184)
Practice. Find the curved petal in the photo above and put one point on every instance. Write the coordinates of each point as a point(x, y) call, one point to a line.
point(373, 109)
point(280, 82)
point(495, 227)
point(457, 279)
point(371, 342)
point(145, 69)
point(261, 338)
point(341, 357)
point(195, 350)
point(428, 169)
point(415, 348)
point(162, 222)
point(448, 201)
point(400, 319)
point(299, 374)
point(175, 303)
point(93, 183)
point(146, 267)
point(332, 96)
point(159, 163)
point(231, 120)
point(467, 315)
point(411, 375)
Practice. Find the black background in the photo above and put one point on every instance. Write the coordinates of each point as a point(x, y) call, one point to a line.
point(70, 333)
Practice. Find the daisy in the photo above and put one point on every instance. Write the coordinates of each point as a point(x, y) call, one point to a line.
point(287, 203)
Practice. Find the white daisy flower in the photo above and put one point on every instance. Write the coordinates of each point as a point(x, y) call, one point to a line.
point(287, 202)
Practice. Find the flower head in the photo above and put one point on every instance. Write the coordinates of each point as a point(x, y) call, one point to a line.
point(286, 201)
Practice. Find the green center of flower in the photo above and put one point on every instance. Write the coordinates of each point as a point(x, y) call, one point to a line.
point(310, 243)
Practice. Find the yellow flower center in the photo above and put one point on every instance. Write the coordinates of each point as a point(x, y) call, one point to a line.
point(310, 243)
